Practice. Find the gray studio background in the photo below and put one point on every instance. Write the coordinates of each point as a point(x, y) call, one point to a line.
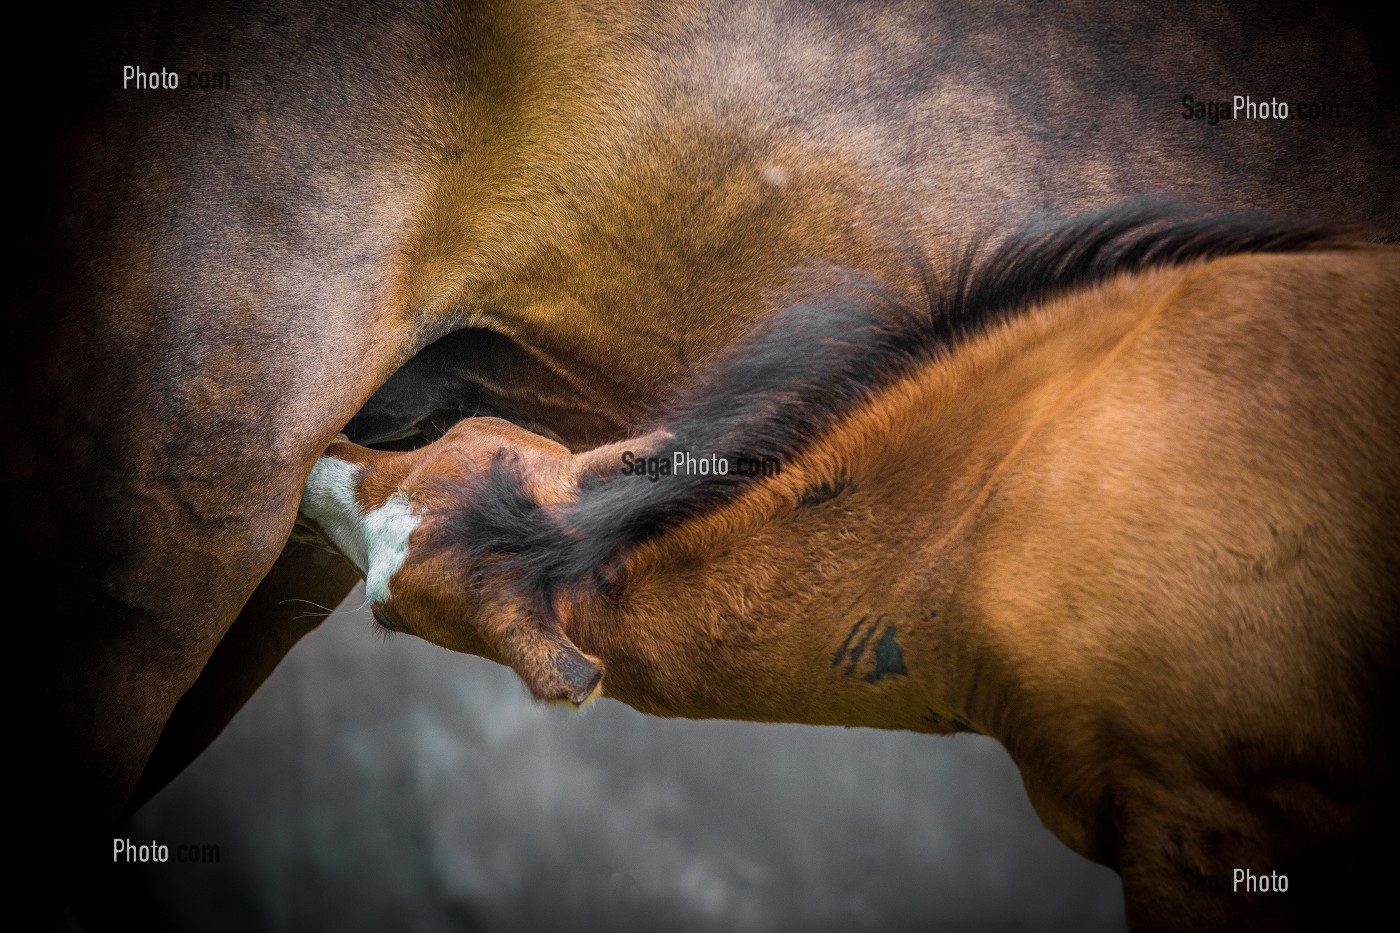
point(377, 784)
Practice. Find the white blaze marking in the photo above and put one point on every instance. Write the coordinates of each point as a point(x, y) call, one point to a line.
point(375, 542)
point(329, 501)
point(386, 530)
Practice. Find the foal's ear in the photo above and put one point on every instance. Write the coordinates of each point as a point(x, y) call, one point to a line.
point(573, 677)
point(551, 665)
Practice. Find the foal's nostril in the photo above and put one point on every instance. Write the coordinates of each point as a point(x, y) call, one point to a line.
point(382, 619)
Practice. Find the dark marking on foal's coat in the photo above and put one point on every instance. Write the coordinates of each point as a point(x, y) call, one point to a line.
point(948, 724)
point(888, 656)
point(859, 649)
point(841, 652)
point(827, 490)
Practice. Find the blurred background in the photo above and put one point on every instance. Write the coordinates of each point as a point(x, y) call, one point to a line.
point(377, 784)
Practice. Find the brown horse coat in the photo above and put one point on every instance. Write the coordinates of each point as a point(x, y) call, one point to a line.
point(1141, 530)
point(592, 199)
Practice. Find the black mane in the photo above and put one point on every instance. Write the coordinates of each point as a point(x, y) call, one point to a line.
point(799, 371)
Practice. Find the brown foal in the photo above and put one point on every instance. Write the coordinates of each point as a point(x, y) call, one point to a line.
point(1125, 496)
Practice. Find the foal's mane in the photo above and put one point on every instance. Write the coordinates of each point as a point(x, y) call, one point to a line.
point(802, 369)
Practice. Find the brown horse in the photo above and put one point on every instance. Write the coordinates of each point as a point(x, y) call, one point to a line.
point(575, 203)
point(1124, 496)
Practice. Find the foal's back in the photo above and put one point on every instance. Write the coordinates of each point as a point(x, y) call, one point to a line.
point(1205, 562)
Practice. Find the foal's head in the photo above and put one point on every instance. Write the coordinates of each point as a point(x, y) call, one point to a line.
point(385, 512)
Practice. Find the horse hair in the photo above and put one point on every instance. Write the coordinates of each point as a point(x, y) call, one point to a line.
point(803, 368)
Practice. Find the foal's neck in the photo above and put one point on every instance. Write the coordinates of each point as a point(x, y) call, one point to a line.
point(844, 590)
